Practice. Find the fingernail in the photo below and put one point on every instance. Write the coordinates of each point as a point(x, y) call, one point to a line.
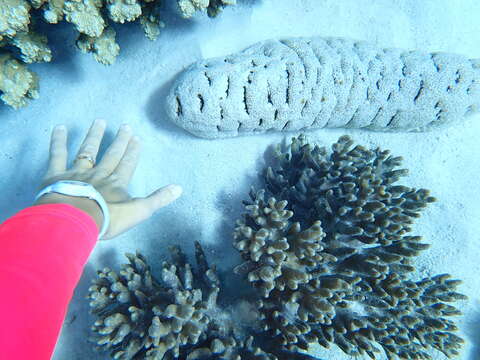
point(100, 122)
point(60, 127)
point(175, 190)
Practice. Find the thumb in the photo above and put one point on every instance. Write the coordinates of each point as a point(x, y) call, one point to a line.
point(159, 198)
point(128, 214)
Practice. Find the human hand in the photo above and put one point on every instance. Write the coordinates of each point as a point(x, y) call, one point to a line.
point(110, 177)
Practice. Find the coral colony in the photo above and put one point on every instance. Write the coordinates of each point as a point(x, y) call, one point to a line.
point(327, 249)
point(309, 83)
point(20, 44)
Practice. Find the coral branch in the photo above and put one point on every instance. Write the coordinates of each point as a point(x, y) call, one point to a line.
point(331, 258)
point(176, 316)
point(189, 7)
point(17, 83)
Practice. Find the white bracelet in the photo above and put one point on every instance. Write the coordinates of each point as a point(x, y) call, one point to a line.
point(80, 189)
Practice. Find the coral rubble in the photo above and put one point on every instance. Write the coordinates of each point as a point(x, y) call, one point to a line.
point(327, 249)
point(310, 83)
point(326, 245)
point(92, 19)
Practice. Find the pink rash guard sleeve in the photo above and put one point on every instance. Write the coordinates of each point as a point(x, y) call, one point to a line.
point(43, 250)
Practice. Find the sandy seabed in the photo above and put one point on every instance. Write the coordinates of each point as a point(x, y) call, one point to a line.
point(216, 175)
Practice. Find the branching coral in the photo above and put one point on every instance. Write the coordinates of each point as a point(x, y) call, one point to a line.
point(140, 317)
point(14, 17)
point(331, 257)
point(311, 83)
point(103, 47)
point(17, 83)
point(91, 18)
point(213, 7)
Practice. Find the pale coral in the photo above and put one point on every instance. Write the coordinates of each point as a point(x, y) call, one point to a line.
point(104, 47)
point(91, 18)
point(17, 83)
point(189, 7)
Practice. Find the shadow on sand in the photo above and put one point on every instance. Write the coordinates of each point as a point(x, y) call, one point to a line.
point(473, 333)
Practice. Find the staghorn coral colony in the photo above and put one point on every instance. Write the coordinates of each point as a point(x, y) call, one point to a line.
point(20, 44)
point(296, 84)
point(326, 244)
point(326, 247)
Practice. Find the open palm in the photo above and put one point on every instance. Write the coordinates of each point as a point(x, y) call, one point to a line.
point(110, 176)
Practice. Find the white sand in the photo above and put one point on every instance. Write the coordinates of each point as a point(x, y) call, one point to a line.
point(216, 175)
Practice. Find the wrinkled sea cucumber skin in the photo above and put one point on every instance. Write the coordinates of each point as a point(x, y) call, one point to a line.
point(310, 83)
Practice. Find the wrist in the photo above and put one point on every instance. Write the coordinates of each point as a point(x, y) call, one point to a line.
point(87, 205)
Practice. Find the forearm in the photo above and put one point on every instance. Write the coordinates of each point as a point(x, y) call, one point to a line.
point(43, 250)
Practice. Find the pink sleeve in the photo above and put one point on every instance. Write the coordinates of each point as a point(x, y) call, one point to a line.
point(43, 250)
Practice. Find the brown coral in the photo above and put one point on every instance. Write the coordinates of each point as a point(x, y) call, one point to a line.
point(142, 317)
point(332, 258)
point(176, 317)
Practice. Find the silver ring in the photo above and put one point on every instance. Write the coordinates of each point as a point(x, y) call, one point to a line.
point(87, 157)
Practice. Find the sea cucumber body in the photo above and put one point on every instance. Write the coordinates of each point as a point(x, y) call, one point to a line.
point(310, 83)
